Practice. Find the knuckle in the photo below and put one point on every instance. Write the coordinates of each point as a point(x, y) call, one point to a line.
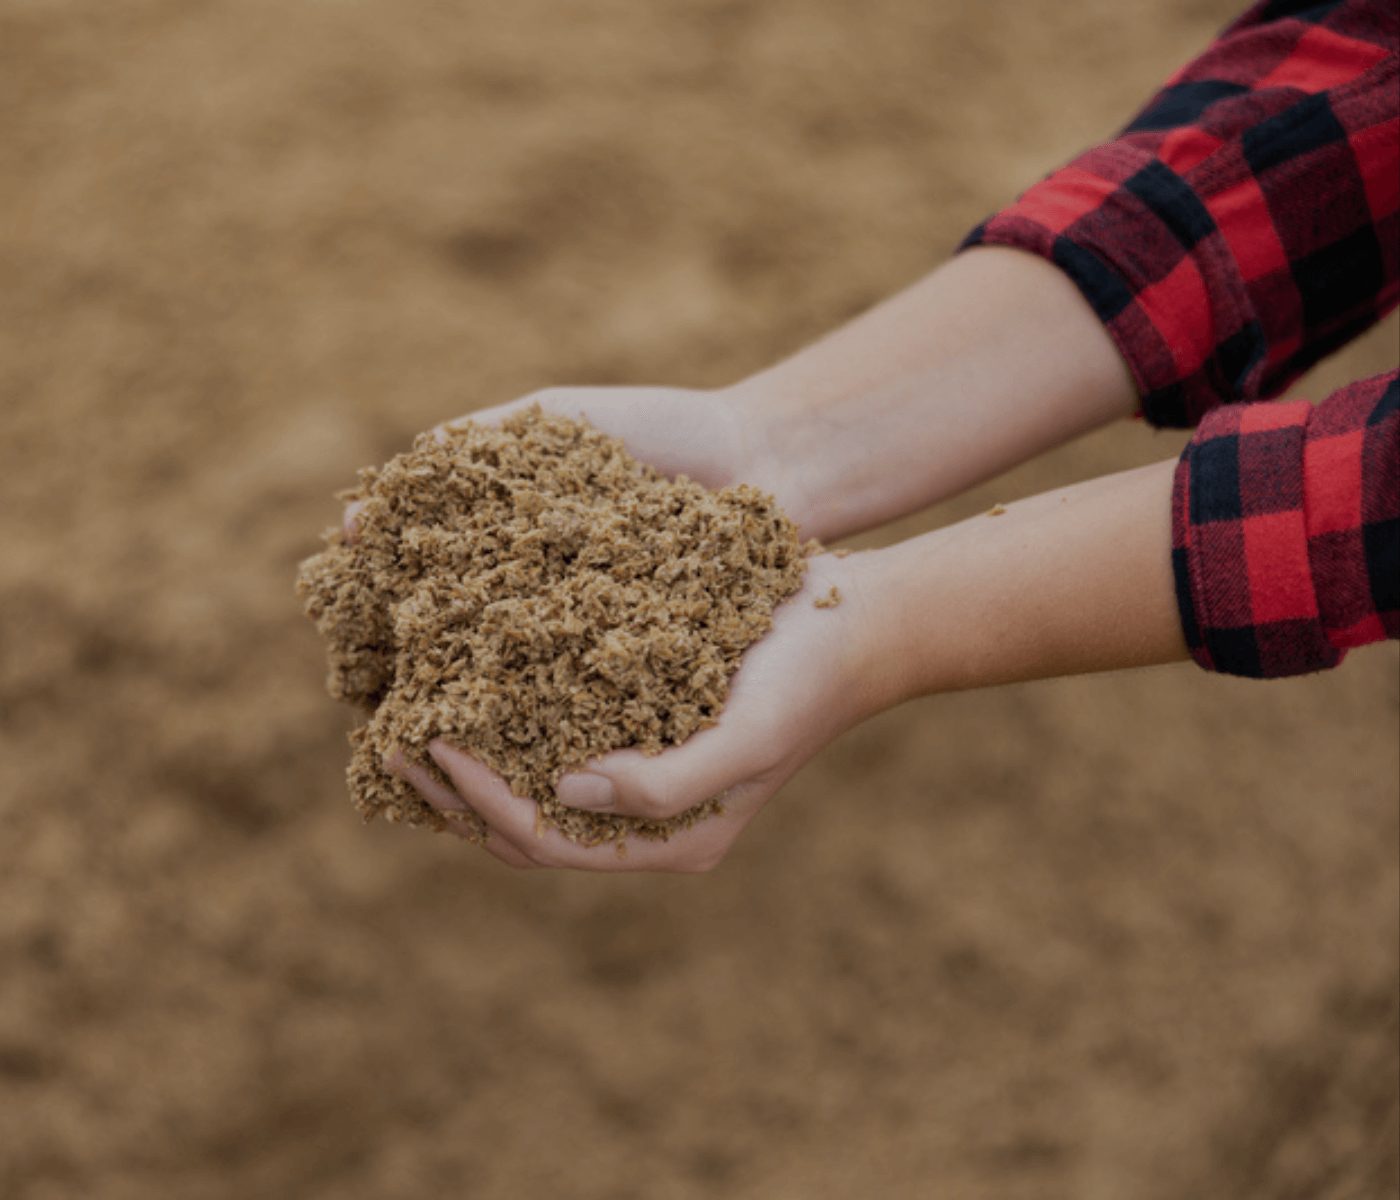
point(653, 800)
point(544, 856)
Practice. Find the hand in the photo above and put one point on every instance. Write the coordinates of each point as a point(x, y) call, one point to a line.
point(796, 689)
point(708, 435)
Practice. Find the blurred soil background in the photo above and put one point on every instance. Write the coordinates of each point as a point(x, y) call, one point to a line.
point(1132, 936)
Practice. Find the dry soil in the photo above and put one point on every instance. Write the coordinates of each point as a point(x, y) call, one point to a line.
point(1132, 936)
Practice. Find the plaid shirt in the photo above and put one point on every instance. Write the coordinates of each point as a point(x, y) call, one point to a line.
point(1243, 226)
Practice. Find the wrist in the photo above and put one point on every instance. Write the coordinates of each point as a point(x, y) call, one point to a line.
point(953, 609)
point(775, 450)
point(892, 606)
point(819, 449)
point(1064, 583)
point(984, 363)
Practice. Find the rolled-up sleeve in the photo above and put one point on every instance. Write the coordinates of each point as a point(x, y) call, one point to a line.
point(1286, 531)
point(1247, 222)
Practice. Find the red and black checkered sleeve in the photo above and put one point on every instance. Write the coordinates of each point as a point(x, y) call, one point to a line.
point(1286, 531)
point(1247, 222)
point(1244, 225)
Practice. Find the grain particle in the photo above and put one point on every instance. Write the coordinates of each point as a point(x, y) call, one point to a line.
point(996, 510)
point(538, 597)
point(830, 600)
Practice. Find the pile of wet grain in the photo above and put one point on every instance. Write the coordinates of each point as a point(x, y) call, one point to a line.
point(538, 597)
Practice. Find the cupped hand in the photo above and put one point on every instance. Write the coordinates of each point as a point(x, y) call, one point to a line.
point(796, 688)
point(708, 435)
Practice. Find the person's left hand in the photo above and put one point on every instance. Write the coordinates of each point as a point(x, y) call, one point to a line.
point(799, 686)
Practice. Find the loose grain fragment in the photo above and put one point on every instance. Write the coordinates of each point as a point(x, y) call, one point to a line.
point(841, 552)
point(830, 600)
point(996, 510)
point(536, 596)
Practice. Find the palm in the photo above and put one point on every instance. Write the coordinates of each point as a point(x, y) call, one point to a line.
point(786, 695)
point(790, 696)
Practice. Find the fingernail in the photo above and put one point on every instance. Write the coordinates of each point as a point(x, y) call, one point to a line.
point(587, 791)
point(437, 750)
point(349, 524)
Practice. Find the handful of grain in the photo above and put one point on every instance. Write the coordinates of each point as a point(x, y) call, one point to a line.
point(538, 597)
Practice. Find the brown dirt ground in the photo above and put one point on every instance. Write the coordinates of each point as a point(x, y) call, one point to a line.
point(1133, 936)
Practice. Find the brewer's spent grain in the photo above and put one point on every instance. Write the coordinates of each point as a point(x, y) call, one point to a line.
point(535, 595)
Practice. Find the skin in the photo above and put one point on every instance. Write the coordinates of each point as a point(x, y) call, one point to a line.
point(990, 360)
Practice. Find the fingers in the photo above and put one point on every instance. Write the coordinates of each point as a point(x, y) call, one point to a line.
point(498, 412)
point(662, 786)
point(436, 793)
point(486, 416)
point(514, 819)
point(640, 406)
point(447, 802)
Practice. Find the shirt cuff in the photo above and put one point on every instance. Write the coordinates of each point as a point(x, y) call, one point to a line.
point(1148, 257)
point(1240, 544)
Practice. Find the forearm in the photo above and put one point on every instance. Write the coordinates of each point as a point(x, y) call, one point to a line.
point(1068, 582)
point(989, 360)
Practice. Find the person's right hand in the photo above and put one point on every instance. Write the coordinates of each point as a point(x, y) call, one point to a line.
point(679, 431)
point(708, 435)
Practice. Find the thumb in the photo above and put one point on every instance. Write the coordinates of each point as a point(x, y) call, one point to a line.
point(657, 787)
